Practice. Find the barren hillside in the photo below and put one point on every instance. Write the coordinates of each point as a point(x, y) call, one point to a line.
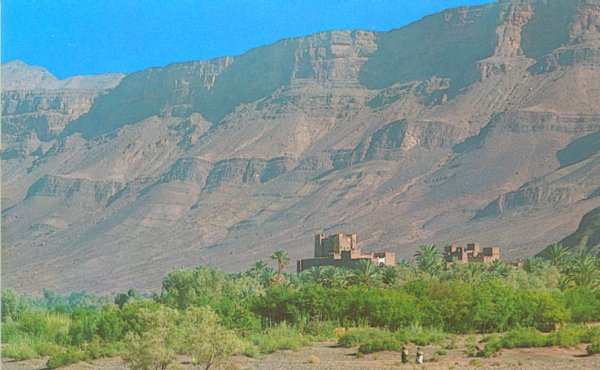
point(475, 124)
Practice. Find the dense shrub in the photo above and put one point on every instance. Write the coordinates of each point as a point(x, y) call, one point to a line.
point(235, 317)
point(320, 330)
point(70, 356)
point(110, 326)
point(446, 305)
point(583, 303)
point(372, 340)
point(20, 351)
point(423, 336)
point(357, 336)
point(281, 336)
point(524, 337)
point(390, 343)
point(84, 326)
point(568, 336)
point(593, 348)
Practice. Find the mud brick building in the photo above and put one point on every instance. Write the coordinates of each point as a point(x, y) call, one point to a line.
point(341, 250)
point(471, 254)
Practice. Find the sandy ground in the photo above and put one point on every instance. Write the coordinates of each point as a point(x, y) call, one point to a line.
point(327, 355)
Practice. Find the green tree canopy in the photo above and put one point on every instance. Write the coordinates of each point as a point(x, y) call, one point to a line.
point(206, 340)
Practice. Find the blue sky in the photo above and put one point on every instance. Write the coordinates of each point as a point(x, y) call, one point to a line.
point(70, 37)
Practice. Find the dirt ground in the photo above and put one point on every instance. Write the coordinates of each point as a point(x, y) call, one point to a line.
point(327, 355)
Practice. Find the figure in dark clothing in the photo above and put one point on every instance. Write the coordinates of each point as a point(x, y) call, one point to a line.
point(404, 355)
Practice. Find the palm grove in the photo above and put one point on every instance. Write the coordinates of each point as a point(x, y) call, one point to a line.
point(208, 315)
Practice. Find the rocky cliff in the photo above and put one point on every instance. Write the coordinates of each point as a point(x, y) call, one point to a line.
point(587, 236)
point(475, 124)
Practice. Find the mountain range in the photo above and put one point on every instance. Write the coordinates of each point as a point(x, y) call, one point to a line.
point(477, 124)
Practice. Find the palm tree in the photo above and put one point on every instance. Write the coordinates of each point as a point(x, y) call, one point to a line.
point(310, 276)
point(564, 282)
point(476, 272)
point(283, 259)
point(499, 267)
point(328, 276)
point(534, 264)
point(261, 272)
point(583, 270)
point(429, 259)
point(389, 275)
point(556, 253)
point(365, 273)
point(259, 266)
point(403, 264)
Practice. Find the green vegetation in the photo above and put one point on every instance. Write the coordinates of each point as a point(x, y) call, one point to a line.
point(441, 352)
point(209, 315)
point(567, 337)
point(593, 348)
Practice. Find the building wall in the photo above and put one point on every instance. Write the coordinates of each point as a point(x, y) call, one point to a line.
point(334, 244)
point(341, 250)
point(471, 254)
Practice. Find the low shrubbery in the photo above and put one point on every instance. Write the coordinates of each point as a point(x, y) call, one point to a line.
point(376, 339)
point(424, 336)
point(70, 356)
point(567, 337)
point(320, 330)
point(281, 336)
point(357, 336)
point(390, 343)
point(593, 348)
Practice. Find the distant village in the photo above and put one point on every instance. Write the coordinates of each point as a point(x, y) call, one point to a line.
point(341, 250)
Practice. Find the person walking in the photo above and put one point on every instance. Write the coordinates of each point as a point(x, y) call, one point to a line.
point(404, 355)
point(419, 358)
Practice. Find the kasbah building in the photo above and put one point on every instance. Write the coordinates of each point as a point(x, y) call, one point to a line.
point(341, 250)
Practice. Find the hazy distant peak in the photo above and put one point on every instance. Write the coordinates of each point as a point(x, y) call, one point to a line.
point(17, 75)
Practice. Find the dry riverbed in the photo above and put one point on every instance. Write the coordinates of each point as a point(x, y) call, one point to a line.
point(327, 355)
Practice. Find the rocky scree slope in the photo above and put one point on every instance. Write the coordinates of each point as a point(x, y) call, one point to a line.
point(475, 124)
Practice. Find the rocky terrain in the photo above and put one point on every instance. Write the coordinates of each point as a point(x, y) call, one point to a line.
point(474, 124)
point(587, 236)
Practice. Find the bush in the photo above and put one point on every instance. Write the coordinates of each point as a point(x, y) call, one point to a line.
point(491, 347)
point(382, 341)
point(380, 344)
point(424, 337)
point(593, 348)
point(441, 352)
point(277, 337)
point(568, 336)
point(591, 334)
point(96, 349)
point(110, 324)
point(357, 336)
point(155, 347)
point(42, 325)
point(583, 304)
point(20, 351)
point(321, 330)
point(70, 356)
point(524, 337)
point(84, 326)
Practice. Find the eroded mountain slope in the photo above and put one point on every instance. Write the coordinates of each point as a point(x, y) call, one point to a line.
point(475, 124)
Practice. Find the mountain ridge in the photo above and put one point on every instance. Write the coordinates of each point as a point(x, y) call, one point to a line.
point(221, 162)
